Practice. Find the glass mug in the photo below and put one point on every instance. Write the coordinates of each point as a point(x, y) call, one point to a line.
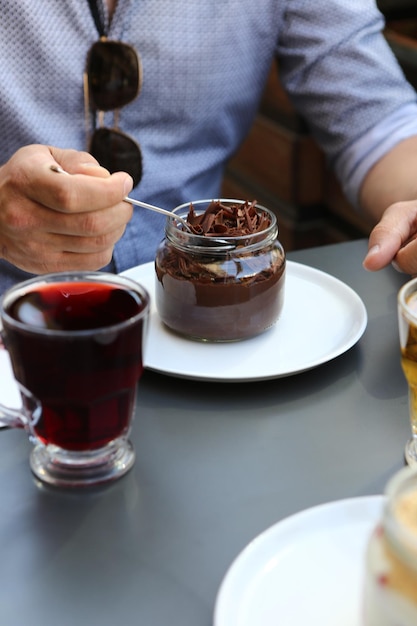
point(407, 319)
point(390, 581)
point(76, 343)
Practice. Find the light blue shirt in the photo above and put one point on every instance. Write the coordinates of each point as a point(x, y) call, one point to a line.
point(205, 63)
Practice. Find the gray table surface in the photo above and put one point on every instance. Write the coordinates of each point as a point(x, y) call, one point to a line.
point(216, 465)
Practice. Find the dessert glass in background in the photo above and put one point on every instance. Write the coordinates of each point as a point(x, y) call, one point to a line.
point(220, 286)
point(76, 345)
point(407, 320)
point(390, 590)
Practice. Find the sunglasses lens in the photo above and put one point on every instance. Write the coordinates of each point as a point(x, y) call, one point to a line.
point(117, 152)
point(113, 74)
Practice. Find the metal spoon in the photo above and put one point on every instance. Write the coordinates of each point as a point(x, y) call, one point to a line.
point(210, 241)
point(158, 209)
point(58, 169)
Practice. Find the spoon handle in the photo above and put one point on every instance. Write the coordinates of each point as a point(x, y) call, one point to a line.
point(158, 209)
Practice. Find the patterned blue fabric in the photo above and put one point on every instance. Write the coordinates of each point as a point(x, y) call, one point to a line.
point(205, 64)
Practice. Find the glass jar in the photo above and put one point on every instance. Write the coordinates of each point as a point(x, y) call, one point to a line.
point(219, 288)
point(391, 565)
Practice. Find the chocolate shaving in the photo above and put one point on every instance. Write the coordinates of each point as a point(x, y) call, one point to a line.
point(233, 220)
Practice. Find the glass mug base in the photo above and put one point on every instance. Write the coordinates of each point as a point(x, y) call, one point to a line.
point(410, 452)
point(63, 468)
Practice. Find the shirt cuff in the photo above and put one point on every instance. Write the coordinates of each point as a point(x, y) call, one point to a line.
point(355, 162)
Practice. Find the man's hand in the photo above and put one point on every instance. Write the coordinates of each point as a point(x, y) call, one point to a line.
point(50, 222)
point(394, 239)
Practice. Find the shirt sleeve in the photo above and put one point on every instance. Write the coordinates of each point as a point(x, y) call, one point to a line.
point(345, 81)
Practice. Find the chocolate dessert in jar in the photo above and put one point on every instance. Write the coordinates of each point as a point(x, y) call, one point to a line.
point(390, 593)
point(224, 280)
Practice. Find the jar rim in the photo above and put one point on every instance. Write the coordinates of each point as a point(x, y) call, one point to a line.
point(407, 289)
point(76, 276)
point(221, 242)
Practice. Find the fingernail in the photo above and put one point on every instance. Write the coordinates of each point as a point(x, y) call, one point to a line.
point(397, 267)
point(90, 164)
point(128, 186)
point(374, 250)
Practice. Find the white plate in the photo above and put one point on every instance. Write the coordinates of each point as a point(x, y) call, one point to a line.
point(307, 569)
point(321, 319)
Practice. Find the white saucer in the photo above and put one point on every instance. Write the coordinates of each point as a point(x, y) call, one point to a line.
point(322, 318)
point(9, 391)
point(307, 569)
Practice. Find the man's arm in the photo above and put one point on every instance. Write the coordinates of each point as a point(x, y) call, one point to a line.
point(389, 196)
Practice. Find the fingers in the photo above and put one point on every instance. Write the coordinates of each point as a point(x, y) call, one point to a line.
point(90, 188)
point(406, 258)
point(393, 239)
point(39, 251)
point(62, 261)
point(58, 253)
point(75, 162)
point(89, 224)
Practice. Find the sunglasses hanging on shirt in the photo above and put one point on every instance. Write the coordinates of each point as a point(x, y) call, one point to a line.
point(113, 78)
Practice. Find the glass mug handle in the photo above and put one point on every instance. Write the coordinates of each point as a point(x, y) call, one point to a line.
point(27, 415)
